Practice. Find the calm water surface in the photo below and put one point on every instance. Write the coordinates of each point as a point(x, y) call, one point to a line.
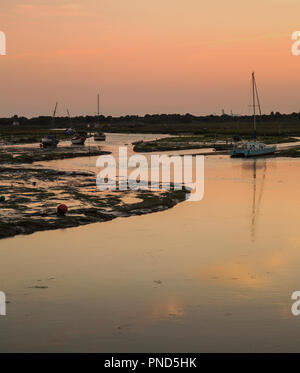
point(214, 275)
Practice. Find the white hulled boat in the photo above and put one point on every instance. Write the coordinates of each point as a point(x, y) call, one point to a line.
point(79, 139)
point(252, 148)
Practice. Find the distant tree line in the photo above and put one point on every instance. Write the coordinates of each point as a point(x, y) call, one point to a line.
point(168, 123)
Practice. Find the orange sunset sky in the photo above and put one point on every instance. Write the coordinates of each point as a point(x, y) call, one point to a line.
point(148, 56)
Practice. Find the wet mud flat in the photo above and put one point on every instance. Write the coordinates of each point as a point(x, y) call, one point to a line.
point(29, 155)
point(32, 194)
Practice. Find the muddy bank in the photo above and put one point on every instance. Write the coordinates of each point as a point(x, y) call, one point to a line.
point(291, 153)
point(28, 155)
point(14, 135)
point(199, 142)
point(32, 195)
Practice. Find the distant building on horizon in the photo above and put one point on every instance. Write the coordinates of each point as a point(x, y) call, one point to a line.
point(15, 121)
point(234, 115)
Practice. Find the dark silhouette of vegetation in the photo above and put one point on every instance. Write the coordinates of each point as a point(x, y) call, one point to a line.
point(275, 124)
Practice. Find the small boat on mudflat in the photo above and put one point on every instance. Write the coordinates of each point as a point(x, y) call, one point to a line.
point(99, 136)
point(79, 139)
point(49, 141)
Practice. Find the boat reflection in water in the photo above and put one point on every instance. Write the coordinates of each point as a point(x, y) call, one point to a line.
point(257, 194)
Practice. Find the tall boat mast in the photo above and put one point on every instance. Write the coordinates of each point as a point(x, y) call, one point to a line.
point(255, 98)
point(254, 106)
point(253, 148)
point(54, 113)
point(98, 107)
point(99, 135)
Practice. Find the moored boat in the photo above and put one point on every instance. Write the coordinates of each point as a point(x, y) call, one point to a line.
point(252, 148)
point(78, 140)
point(49, 141)
point(99, 136)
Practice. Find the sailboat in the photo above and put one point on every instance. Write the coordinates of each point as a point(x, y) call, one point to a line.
point(252, 148)
point(99, 136)
point(50, 140)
